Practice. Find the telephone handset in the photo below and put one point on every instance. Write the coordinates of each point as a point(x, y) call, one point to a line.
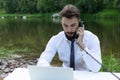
point(80, 25)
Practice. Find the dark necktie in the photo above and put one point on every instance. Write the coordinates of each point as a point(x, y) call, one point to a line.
point(72, 64)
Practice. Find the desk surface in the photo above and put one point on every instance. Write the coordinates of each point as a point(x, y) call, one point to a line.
point(22, 74)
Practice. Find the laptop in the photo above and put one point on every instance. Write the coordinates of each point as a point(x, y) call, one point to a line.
point(50, 73)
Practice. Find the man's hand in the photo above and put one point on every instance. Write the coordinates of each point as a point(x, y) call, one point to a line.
point(80, 33)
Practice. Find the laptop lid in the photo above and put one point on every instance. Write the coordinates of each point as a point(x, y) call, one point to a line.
point(50, 73)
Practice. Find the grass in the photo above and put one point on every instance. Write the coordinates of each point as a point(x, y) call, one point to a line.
point(111, 62)
point(6, 53)
point(26, 15)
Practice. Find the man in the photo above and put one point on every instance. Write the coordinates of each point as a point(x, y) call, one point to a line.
point(83, 41)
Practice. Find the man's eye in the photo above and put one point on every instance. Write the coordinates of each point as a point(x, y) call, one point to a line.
point(66, 25)
point(73, 25)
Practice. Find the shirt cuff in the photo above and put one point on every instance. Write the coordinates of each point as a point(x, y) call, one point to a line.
point(43, 63)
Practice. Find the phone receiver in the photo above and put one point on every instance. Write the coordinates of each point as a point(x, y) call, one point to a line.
point(80, 25)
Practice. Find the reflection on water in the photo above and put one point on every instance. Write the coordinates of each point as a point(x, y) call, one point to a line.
point(108, 32)
point(34, 34)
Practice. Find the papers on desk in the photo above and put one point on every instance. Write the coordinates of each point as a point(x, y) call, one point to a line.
point(94, 76)
point(22, 74)
point(18, 74)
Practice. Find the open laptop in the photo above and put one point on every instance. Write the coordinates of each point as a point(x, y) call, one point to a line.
point(50, 73)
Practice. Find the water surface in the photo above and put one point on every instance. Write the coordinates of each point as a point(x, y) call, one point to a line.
point(31, 35)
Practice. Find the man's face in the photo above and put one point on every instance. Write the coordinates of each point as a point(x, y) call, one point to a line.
point(70, 25)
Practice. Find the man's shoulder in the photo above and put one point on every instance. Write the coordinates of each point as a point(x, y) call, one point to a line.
point(57, 39)
point(60, 34)
point(89, 34)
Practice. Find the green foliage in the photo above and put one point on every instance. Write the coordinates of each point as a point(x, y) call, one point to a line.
point(90, 6)
point(11, 6)
point(1, 4)
point(27, 6)
point(8, 52)
point(20, 6)
point(48, 5)
point(111, 63)
point(45, 6)
point(112, 4)
point(64, 2)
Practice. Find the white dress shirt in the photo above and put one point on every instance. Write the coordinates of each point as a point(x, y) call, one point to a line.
point(83, 62)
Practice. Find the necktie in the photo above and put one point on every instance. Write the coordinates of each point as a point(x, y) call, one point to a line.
point(72, 64)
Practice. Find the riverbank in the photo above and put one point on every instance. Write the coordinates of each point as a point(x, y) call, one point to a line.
point(17, 61)
point(24, 16)
point(105, 14)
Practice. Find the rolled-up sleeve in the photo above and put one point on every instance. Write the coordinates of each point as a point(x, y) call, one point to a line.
point(92, 55)
point(48, 54)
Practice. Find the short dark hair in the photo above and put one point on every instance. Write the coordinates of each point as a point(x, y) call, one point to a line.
point(70, 11)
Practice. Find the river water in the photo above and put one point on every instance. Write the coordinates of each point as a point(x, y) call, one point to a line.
point(31, 35)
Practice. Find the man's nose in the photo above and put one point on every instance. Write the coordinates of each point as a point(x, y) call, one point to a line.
point(69, 29)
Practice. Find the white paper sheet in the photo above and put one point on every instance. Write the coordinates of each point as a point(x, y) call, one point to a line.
point(18, 74)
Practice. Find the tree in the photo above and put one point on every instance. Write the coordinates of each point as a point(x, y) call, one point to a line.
point(27, 6)
point(1, 4)
point(117, 4)
point(90, 6)
point(64, 2)
point(48, 5)
point(11, 6)
point(40, 5)
point(109, 4)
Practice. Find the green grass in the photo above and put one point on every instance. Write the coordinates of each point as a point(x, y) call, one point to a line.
point(111, 62)
point(27, 15)
point(7, 53)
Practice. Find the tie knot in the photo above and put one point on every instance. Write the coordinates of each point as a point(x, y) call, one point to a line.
point(72, 41)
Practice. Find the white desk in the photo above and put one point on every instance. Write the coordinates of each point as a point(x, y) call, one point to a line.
point(22, 74)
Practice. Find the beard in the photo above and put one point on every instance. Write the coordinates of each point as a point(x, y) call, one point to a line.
point(70, 35)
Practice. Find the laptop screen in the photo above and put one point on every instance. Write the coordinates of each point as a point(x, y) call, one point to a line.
point(50, 73)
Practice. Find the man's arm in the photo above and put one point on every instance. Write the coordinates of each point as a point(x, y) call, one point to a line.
point(93, 49)
point(48, 54)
